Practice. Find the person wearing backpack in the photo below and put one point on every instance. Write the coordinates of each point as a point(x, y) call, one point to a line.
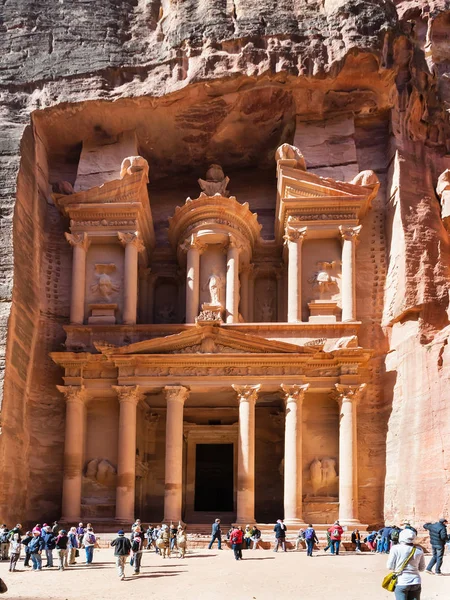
point(89, 540)
point(136, 549)
point(4, 542)
point(236, 539)
point(310, 539)
point(408, 582)
point(122, 548)
point(395, 532)
point(336, 532)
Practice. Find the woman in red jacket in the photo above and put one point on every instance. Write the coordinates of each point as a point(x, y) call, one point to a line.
point(236, 538)
point(335, 532)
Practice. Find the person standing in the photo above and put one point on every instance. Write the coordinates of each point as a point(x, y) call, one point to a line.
point(336, 532)
point(310, 539)
point(329, 544)
point(216, 534)
point(49, 540)
point(256, 537)
point(35, 547)
point(356, 539)
point(4, 542)
point(80, 534)
point(55, 528)
point(385, 542)
point(438, 538)
point(61, 542)
point(149, 536)
point(89, 540)
point(236, 539)
point(408, 582)
point(137, 546)
point(14, 551)
point(25, 541)
point(280, 535)
point(73, 545)
point(122, 548)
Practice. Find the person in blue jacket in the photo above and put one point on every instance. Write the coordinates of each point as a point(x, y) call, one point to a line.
point(438, 538)
point(49, 539)
point(35, 547)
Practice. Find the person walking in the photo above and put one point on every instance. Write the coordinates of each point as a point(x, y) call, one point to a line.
point(122, 548)
point(89, 540)
point(336, 532)
point(14, 551)
point(49, 540)
point(216, 534)
point(329, 544)
point(35, 547)
point(256, 537)
point(137, 546)
point(236, 539)
point(310, 539)
point(61, 543)
point(408, 582)
point(438, 538)
point(25, 541)
point(356, 540)
point(73, 545)
point(280, 535)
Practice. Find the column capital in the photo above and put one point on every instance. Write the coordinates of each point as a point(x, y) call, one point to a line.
point(294, 233)
point(246, 393)
point(350, 232)
point(128, 393)
point(73, 393)
point(233, 242)
point(348, 393)
point(131, 238)
point(193, 242)
point(78, 239)
point(294, 393)
point(176, 393)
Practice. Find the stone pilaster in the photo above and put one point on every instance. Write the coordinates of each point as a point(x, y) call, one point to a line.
point(193, 248)
point(144, 274)
point(128, 396)
point(348, 293)
point(73, 451)
point(173, 489)
point(347, 397)
point(245, 272)
point(293, 453)
point(133, 245)
point(232, 291)
point(80, 244)
point(293, 238)
point(247, 396)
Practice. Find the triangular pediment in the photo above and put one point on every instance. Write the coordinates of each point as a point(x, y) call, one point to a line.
point(296, 183)
point(206, 339)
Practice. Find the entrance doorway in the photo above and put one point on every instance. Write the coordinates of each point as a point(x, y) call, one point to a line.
point(214, 477)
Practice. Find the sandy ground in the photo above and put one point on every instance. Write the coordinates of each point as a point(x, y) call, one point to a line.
point(210, 575)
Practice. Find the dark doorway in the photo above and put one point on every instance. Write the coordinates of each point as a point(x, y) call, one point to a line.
point(214, 477)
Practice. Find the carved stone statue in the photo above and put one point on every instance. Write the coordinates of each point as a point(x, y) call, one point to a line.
point(329, 474)
point(266, 310)
point(104, 286)
point(315, 471)
point(133, 164)
point(215, 286)
point(367, 177)
point(322, 279)
point(101, 471)
point(443, 191)
point(290, 156)
point(215, 182)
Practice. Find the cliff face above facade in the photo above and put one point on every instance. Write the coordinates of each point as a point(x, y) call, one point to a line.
point(357, 84)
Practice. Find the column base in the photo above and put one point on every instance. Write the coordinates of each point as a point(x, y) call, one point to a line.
point(244, 521)
point(299, 523)
point(353, 523)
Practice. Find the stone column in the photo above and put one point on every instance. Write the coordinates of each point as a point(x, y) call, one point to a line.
point(73, 451)
point(232, 291)
point(245, 271)
point(151, 297)
point(128, 396)
point(194, 248)
point(293, 447)
point(294, 239)
point(133, 245)
point(347, 397)
point(80, 243)
point(348, 291)
point(173, 490)
point(144, 274)
point(247, 395)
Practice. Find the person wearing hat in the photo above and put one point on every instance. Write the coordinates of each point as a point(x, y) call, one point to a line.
point(438, 538)
point(61, 542)
point(408, 582)
point(122, 549)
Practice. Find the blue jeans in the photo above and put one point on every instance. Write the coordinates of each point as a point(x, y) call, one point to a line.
point(89, 554)
point(335, 546)
point(408, 592)
point(36, 559)
point(49, 555)
point(218, 537)
point(309, 547)
point(438, 556)
point(237, 549)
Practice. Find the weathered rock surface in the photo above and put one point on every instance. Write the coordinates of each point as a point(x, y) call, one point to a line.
point(359, 84)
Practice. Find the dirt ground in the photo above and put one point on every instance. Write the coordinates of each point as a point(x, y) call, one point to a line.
point(211, 574)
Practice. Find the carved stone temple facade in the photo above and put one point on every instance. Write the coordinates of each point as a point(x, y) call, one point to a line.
point(220, 374)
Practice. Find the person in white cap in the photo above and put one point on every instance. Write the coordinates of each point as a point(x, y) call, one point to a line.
point(409, 582)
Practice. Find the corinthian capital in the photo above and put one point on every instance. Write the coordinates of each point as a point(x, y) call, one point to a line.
point(233, 242)
point(78, 239)
point(294, 393)
point(176, 393)
point(73, 393)
point(128, 393)
point(131, 238)
point(246, 393)
point(348, 232)
point(294, 233)
point(193, 242)
point(348, 393)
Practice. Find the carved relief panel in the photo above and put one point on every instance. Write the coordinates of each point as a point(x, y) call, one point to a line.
point(166, 303)
point(265, 300)
point(104, 281)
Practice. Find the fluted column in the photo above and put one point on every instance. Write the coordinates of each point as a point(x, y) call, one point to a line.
point(247, 395)
point(294, 239)
point(173, 489)
point(80, 244)
point(347, 397)
point(133, 245)
point(293, 456)
point(245, 271)
point(232, 291)
point(128, 396)
point(144, 274)
point(348, 291)
point(73, 451)
point(194, 248)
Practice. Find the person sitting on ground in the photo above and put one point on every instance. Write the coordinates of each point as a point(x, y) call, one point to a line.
point(300, 539)
point(310, 539)
point(438, 538)
point(408, 582)
point(336, 532)
point(14, 551)
point(122, 548)
point(236, 539)
point(356, 540)
point(280, 535)
point(256, 537)
point(248, 532)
